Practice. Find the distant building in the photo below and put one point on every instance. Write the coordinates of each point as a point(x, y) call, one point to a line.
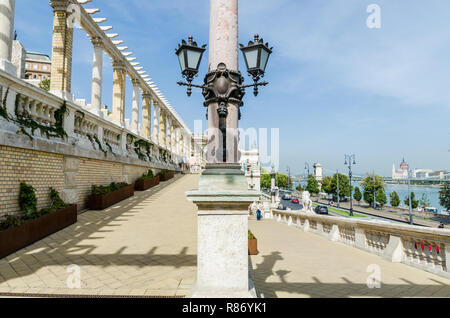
point(401, 173)
point(421, 173)
point(37, 66)
point(250, 165)
point(318, 172)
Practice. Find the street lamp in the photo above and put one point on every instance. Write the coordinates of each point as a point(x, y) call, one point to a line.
point(256, 56)
point(222, 85)
point(288, 170)
point(307, 168)
point(350, 160)
point(190, 56)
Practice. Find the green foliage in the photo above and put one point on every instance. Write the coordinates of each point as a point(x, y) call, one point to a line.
point(424, 201)
point(281, 180)
point(312, 186)
point(251, 236)
point(394, 199)
point(414, 203)
point(147, 175)
point(265, 181)
point(28, 202)
point(357, 195)
point(444, 195)
point(24, 120)
point(326, 185)
point(27, 199)
point(113, 186)
point(381, 197)
point(344, 185)
point(164, 171)
point(371, 184)
point(45, 85)
point(3, 109)
point(299, 188)
point(138, 145)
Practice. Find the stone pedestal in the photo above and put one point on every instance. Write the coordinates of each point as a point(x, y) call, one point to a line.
point(222, 264)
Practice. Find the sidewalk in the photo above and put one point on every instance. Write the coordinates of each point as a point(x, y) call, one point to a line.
point(143, 246)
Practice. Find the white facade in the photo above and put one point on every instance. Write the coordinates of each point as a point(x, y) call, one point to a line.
point(250, 165)
point(318, 172)
point(401, 173)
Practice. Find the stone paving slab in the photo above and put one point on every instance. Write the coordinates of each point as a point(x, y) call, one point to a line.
point(143, 246)
point(293, 263)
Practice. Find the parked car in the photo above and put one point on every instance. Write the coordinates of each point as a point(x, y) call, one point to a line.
point(295, 200)
point(321, 209)
point(286, 197)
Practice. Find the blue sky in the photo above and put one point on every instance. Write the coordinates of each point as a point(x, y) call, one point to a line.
point(336, 86)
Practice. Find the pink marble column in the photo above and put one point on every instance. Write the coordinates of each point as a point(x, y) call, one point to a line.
point(223, 48)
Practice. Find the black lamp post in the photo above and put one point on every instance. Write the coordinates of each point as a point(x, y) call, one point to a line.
point(223, 85)
point(350, 160)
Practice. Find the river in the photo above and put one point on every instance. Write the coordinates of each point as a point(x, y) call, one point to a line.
point(402, 190)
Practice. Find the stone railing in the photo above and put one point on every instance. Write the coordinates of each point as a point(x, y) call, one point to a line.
point(424, 248)
point(84, 129)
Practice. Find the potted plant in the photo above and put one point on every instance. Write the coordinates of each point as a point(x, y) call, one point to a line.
point(32, 225)
point(104, 196)
point(147, 181)
point(165, 175)
point(252, 244)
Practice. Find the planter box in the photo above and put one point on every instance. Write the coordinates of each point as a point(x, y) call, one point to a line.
point(142, 185)
point(14, 239)
point(253, 247)
point(167, 176)
point(103, 201)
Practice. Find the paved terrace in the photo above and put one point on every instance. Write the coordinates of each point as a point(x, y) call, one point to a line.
point(146, 246)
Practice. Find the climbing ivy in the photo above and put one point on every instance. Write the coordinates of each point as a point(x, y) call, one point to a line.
point(24, 120)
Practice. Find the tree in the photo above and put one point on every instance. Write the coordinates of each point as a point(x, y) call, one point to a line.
point(424, 201)
point(395, 199)
point(265, 181)
point(282, 180)
point(326, 184)
point(371, 184)
point(299, 188)
point(45, 85)
point(357, 195)
point(381, 197)
point(444, 195)
point(414, 203)
point(344, 185)
point(313, 185)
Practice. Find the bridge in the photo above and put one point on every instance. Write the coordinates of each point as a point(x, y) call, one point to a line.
point(146, 245)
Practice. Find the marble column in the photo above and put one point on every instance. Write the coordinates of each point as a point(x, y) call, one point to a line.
point(97, 75)
point(62, 43)
point(118, 108)
point(146, 114)
point(223, 196)
point(7, 8)
point(169, 134)
point(156, 109)
point(173, 138)
point(162, 127)
point(135, 106)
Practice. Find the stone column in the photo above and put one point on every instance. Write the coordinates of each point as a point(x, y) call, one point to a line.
point(155, 122)
point(135, 106)
point(173, 144)
point(223, 48)
point(7, 8)
point(162, 127)
point(146, 111)
point(169, 134)
point(118, 108)
point(61, 73)
point(97, 74)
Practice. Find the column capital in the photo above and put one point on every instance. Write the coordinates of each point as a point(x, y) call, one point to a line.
point(119, 65)
point(135, 81)
point(97, 41)
point(146, 94)
point(60, 5)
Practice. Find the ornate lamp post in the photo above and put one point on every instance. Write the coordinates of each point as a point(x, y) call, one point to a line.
point(223, 85)
point(350, 160)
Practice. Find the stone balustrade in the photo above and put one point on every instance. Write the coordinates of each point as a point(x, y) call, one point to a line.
point(421, 247)
point(84, 129)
